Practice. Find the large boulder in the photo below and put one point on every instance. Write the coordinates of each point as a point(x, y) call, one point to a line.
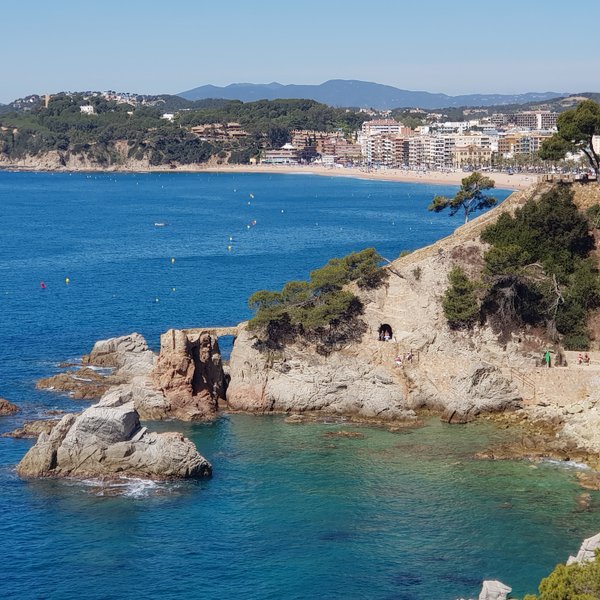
point(7, 408)
point(128, 354)
point(482, 388)
point(189, 373)
point(107, 440)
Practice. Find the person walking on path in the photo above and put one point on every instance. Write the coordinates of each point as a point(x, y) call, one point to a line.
point(547, 358)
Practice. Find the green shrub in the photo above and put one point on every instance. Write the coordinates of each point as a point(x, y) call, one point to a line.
point(460, 303)
point(571, 582)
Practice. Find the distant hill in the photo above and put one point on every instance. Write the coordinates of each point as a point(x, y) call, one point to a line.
point(361, 94)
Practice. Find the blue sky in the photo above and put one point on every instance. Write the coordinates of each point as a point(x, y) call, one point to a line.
point(145, 46)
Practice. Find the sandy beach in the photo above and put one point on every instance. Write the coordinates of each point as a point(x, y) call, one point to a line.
point(519, 181)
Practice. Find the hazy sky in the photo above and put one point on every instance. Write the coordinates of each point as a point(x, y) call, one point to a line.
point(145, 46)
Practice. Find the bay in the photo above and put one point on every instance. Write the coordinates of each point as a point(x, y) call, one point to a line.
point(291, 512)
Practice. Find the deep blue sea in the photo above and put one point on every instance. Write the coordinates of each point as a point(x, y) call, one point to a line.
point(291, 511)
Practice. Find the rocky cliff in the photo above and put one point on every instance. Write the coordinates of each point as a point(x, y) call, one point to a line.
point(428, 365)
point(425, 364)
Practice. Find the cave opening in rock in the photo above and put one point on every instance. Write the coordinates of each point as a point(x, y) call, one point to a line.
point(385, 332)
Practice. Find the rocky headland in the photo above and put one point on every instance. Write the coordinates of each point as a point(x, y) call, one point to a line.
point(424, 366)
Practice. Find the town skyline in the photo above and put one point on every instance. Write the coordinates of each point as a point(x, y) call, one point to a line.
point(148, 48)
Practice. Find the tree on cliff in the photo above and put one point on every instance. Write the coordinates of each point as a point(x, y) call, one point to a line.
point(470, 197)
point(576, 131)
point(459, 302)
point(319, 309)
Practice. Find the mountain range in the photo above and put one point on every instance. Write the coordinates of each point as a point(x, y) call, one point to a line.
point(360, 94)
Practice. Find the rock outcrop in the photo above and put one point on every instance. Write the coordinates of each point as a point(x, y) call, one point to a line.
point(482, 389)
point(301, 380)
point(7, 408)
point(189, 373)
point(185, 381)
point(424, 365)
point(494, 590)
point(80, 384)
point(107, 441)
point(32, 429)
point(128, 355)
point(587, 551)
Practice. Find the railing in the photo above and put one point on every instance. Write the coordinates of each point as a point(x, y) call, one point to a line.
point(523, 379)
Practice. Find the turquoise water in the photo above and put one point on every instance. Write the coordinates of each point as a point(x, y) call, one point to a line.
point(291, 512)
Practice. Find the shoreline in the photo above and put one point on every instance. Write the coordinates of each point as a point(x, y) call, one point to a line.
point(518, 181)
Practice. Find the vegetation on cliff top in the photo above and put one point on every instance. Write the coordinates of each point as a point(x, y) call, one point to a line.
point(538, 271)
point(64, 128)
point(571, 582)
point(319, 310)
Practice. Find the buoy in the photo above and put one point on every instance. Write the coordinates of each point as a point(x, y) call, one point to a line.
point(67, 280)
point(248, 226)
point(156, 300)
point(172, 261)
point(282, 210)
point(173, 289)
point(248, 203)
point(231, 238)
point(42, 285)
point(229, 248)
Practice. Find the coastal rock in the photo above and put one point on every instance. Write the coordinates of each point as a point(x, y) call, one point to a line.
point(482, 389)
point(425, 364)
point(494, 590)
point(7, 408)
point(83, 384)
point(32, 429)
point(128, 354)
point(189, 373)
point(150, 404)
point(127, 358)
point(107, 440)
point(300, 380)
point(587, 551)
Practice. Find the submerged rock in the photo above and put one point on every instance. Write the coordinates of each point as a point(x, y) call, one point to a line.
point(7, 408)
point(107, 440)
